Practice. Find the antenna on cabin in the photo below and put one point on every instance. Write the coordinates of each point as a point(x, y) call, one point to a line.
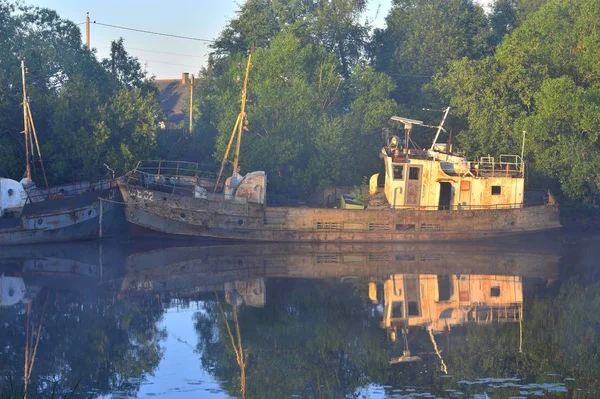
point(407, 127)
point(440, 128)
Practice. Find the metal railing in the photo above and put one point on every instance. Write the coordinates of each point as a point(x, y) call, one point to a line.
point(180, 186)
point(180, 169)
point(177, 177)
point(37, 194)
point(506, 165)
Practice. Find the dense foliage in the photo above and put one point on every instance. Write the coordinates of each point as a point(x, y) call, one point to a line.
point(322, 88)
point(86, 112)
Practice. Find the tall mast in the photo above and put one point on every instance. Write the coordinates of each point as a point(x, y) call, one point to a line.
point(25, 125)
point(242, 116)
point(238, 128)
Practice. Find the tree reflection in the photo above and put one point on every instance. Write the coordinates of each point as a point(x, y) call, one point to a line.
point(96, 348)
point(325, 339)
point(312, 338)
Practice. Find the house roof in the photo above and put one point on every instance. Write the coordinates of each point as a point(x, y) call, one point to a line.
point(173, 95)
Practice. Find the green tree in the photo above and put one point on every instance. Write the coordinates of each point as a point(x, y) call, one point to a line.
point(68, 90)
point(124, 68)
point(308, 124)
point(422, 37)
point(126, 129)
point(541, 79)
point(335, 25)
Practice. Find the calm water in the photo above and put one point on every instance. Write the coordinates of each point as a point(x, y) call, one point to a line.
point(519, 318)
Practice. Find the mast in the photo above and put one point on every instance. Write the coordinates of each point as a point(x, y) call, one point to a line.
point(243, 118)
point(25, 125)
point(238, 127)
point(440, 128)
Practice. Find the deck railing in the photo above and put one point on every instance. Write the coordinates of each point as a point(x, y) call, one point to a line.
point(177, 177)
point(180, 169)
point(37, 194)
point(506, 165)
point(185, 186)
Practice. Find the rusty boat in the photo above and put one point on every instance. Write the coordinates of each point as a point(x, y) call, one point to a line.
point(429, 194)
point(424, 195)
point(29, 214)
point(62, 213)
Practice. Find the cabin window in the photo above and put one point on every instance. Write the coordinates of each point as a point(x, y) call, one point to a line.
point(496, 190)
point(413, 309)
point(413, 174)
point(495, 291)
point(397, 309)
point(398, 172)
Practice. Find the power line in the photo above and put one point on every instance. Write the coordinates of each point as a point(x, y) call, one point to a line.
point(159, 52)
point(154, 33)
point(170, 63)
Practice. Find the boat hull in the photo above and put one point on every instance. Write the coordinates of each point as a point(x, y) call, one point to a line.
point(195, 217)
point(66, 219)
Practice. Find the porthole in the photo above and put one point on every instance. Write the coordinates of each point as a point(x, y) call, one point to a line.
point(241, 222)
point(90, 212)
point(10, 192)
point(40, 221)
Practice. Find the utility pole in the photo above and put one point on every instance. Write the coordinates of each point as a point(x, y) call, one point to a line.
point(25, 125)
point(191, 101)
point(87, 31)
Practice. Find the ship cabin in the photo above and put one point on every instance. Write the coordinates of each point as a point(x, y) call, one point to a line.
point(439, 302)
point(438, 179)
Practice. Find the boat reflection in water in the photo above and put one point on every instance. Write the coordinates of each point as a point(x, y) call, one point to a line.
point(299, 313)
point(73, 268)
point(241, 269)
point(411, 287)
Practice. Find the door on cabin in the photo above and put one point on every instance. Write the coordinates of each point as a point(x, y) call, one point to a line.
point(445, 195)
point(413, 186)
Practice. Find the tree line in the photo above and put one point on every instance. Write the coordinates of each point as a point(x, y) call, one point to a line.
point(323, 85)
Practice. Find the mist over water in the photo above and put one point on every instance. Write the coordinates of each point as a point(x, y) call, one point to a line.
point(511, 318)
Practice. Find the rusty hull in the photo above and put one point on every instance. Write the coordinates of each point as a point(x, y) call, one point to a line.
point(178, 215)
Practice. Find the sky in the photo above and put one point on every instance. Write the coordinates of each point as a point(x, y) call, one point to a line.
point(164, 57)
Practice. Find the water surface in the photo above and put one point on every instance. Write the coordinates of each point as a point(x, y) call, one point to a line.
point(121, 319)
